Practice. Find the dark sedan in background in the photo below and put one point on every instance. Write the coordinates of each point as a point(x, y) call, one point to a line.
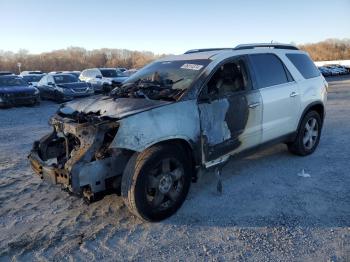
point(63, 87)
point(33, 79)
point(15, 91)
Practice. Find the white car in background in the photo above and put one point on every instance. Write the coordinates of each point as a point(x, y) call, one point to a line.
point(103, 80)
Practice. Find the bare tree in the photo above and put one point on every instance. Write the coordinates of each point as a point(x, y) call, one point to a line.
point(330, 49)
point(74, 58)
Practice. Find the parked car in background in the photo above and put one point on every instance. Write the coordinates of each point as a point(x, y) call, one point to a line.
point(32, 79)
point(103, 80)
point(325, 71)
point(6, 73)
point(341, 68)
point(75, 73)
point(36, 72)
point(63, 87)
point(121, 69)
point(15, 91)
point(130, 72)
point(336, 70)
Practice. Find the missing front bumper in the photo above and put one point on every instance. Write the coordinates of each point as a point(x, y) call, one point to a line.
point(77, 156)
point(48, 173)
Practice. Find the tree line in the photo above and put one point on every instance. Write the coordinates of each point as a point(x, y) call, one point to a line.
point(76, 58)
point(330, 49)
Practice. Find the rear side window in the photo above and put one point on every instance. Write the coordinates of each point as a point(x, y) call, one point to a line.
point(304, 65)
point(269, 70)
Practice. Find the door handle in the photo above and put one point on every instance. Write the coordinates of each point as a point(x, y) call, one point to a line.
point(293, 94)
point(254, 105)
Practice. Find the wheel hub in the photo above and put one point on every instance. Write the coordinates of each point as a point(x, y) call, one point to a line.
point(311, 133)
point(165, 183)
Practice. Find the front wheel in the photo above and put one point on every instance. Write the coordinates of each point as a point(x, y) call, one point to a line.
point(155, 182)
point(308, 136)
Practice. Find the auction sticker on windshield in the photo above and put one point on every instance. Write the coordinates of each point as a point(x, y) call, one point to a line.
point(192, 67)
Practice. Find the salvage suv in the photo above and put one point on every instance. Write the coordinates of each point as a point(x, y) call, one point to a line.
point(150, 137)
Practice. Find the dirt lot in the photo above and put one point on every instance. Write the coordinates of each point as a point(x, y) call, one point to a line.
point(266, 212)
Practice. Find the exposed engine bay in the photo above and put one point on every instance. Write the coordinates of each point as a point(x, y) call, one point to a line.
point(77, 155)
point(151, 90)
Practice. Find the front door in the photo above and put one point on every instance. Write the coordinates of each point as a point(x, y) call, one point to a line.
point(230, 112)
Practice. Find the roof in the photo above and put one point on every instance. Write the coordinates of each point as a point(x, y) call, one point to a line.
point(266, 45)
point(192, 56)
point(65, 74)
point(213, 53)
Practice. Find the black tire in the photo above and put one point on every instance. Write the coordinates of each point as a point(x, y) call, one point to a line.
point(142, 187)
point(58, 97)
point(298, 146)
point(106, 89)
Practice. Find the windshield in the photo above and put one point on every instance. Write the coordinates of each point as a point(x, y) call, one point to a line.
point(32, 78)
point(162, 80)
point(63, 79)
point(109, 72)
point(11, 81)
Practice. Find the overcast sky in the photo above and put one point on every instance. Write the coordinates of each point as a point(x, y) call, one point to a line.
point(165, 26)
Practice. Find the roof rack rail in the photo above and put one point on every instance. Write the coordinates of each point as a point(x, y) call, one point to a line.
point(271, 45)
point(205, 50)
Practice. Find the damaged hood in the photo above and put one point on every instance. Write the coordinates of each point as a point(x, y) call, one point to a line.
point(105, 106)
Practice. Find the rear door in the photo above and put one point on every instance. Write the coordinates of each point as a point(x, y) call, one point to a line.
point(280, 95)
point(230, 111)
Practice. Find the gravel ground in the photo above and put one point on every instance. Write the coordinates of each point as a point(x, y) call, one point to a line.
point(266, 212)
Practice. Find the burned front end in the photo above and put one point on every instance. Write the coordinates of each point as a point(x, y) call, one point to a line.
point(77, 154)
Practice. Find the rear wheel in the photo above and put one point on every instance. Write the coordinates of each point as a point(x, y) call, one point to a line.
point(308, 136)
point(155, 182)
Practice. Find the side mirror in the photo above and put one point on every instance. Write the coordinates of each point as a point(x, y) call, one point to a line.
point(50, 84)
point(99, 77)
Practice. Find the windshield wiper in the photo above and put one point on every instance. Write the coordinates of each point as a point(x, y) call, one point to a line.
point(177, 81)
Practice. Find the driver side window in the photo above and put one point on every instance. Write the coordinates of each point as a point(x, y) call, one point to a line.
point(228, 79)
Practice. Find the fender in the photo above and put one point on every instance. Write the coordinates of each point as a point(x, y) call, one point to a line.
point(176, 121)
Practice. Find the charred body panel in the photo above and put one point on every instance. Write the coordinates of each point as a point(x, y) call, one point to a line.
point(116, 108)
point(230, 125)
point(175, 121)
